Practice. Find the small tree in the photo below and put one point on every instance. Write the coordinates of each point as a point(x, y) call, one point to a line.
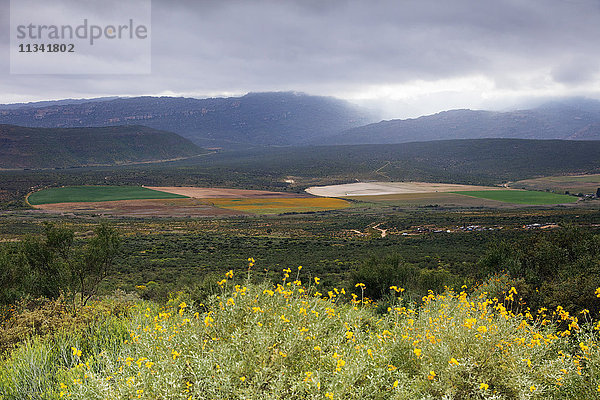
point(96, 261)
point(598, 193)
point(42, 264)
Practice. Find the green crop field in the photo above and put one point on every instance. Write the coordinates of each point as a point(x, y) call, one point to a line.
point(75, 194)
point(520, 196)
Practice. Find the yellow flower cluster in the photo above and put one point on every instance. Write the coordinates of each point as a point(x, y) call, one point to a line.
point(253, 338)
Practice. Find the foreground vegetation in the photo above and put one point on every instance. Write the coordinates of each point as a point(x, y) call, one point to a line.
point(555, 266)
point(289, 341)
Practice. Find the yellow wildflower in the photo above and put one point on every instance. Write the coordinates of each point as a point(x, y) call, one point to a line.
point(76, 352)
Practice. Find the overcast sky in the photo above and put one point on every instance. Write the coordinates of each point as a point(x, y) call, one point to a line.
point(407, 57)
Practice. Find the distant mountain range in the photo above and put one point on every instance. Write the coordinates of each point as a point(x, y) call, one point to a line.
point(63, 102)
point(281, 118)
point(573, 119)
point(75, 147)
point(292, 119)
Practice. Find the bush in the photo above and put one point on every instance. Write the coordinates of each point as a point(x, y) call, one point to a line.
point(557, 268)
point(379, 273)
point(290, 342)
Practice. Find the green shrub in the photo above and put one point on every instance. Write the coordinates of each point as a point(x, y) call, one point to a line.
point(379, 273)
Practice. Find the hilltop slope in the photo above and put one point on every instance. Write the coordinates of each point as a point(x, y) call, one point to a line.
point(22, 147)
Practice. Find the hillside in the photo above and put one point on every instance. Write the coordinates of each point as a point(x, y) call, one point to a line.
point(571, 119)
point(282, 118)
point(471, 161)
point(22, 147)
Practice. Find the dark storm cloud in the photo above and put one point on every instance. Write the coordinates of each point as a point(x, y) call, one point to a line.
point(576, 70)
point(340, 47)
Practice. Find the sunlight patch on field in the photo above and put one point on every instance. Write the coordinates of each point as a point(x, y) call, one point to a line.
point(280, 205)
point(389, 188)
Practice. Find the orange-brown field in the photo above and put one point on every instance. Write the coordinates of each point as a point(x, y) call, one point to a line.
point(142, 208)
point(281, 205)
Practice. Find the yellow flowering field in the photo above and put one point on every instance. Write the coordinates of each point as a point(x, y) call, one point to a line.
point(296, 340)
point(281, 205)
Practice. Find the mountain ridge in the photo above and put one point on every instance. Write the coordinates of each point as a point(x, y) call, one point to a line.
point(566, 120)
point(296, 119)
point(272, 118)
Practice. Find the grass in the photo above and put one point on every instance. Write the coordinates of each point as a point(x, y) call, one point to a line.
point(587, 184)
point(76, 194)
point(281, 205)
point(520, 196)
point(442, 199)
point(289, 341)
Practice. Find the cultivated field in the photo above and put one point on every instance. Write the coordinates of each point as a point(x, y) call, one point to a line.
point(221, 193)
point(586, 184)
point(388, 188)
point(281, 205)
point(182, 207)
point(78, 194)
point(521, 197)
point(423, 194)
point(175, 201)
point(440, 199)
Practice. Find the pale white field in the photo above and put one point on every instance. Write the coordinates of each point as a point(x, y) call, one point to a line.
point(385, 188)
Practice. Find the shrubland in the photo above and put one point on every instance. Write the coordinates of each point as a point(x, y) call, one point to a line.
point(526, 327)
point(296, 340)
